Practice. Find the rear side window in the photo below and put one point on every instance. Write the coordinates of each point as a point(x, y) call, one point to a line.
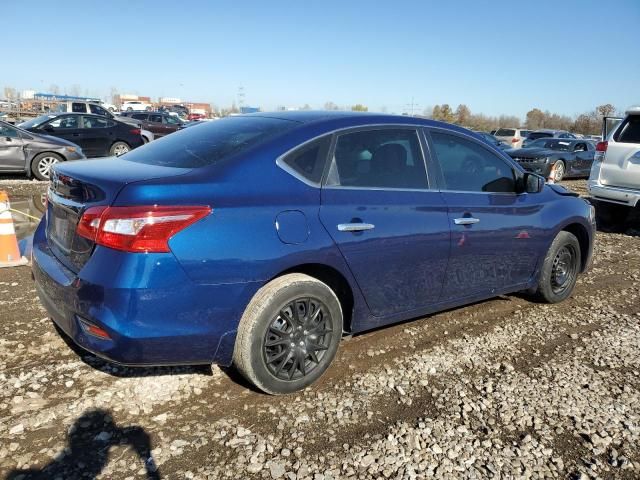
point(629, 132)
point(211, 143)
point(309, 160)
point(386, 158)
point(139, 116)
point(535, 135)
point(78, 108)
point(469, 167)
point(505, 132)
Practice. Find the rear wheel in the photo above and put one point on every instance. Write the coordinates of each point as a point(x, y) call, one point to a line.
point(289, 334)
point(42, 164)
point(119, 148)
point(560, 269)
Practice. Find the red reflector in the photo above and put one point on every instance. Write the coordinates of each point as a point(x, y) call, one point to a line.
point(95, 331)
point(602, 146)
point(135, 131)
point(138, 229)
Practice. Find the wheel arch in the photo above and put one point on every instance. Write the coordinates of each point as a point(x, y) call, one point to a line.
point(335, 280)
point(582, 234)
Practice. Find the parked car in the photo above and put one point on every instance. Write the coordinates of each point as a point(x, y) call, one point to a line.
point(547, 133)
point(180, 110)
point(525, 133)
point(91, 107)
point(556, 158)
point(98, 136)
point(160, 124)
point(260, 239)
point(614, 182)
point(26, 152)
point(135, 105)
point(493, 140)
point(196, 116)
point(511, 136)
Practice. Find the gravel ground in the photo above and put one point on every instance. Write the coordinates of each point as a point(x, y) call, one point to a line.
point(500, 389)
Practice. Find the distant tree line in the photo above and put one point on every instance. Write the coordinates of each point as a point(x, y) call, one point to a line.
point(588, 123)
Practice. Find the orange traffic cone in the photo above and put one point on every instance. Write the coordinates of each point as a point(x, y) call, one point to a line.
point(9, 251)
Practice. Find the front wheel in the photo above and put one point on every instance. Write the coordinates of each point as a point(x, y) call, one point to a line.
point(560, 269)
point(558, 171)
point(289, 334)
point(42, 164)
point(119, 148)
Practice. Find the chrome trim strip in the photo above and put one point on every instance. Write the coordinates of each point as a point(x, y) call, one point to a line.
point(466, 221)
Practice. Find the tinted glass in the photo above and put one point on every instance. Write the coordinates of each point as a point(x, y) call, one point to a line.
point(309, 160)
point(7, 131)
point(139, 116)
point(536, 135)
point(98, 110)
point(630, 131)
point(209, 144)
point(78, 107)
point(155, 118)
point(469, 167)
point(171, 120)
point(505, 132)
point(65, 123)
point(95, 122)
point(388, 158)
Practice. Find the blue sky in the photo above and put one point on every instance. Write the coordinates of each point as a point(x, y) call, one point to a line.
point(497, 57)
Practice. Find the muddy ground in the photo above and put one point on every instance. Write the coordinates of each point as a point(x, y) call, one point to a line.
point(505, 388)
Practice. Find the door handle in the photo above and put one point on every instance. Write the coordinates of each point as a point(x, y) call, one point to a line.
point(466, 221)
point(355, 227)
point(76, 134)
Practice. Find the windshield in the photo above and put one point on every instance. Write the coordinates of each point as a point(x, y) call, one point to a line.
point(209, 144)
point(561, 145)
point(34, 122)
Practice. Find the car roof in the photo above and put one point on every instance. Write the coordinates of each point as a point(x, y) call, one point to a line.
point(350, 118)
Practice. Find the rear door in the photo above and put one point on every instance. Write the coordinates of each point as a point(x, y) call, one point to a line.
point(96, 135)
point(621, 165)
point(11, 149)
point(390, 226)
point(496, 234)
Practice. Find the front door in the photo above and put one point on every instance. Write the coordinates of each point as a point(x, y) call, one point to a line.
point(11, 148)
point(496, 234)
point(391, 229)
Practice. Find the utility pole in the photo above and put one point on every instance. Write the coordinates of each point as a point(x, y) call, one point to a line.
point(412, 106)
point(240, 97)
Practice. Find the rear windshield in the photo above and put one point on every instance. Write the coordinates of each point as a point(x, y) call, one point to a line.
point(204, 145)
point(535, 135)
point(505, 132)
point(34, 122)
point(630, 131)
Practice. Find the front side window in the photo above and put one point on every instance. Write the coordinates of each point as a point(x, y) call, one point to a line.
point(64, 123)
point(309, 160)
point(7, 131)
point(155, 118)
point(385, 158)
point(171, 120)
point(469, 167)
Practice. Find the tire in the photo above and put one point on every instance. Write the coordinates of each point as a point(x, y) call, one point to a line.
point(270, 329)
point(119, 148)
point(611, 215)
point(129, 109)
point(42, 163)
point(560, 269)
point(559, 170)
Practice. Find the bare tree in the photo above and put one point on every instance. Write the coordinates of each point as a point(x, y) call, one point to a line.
point(331, 106)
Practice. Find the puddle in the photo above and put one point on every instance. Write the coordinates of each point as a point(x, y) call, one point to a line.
point(32, 205)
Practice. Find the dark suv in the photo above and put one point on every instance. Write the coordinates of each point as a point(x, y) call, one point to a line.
point(159, 123)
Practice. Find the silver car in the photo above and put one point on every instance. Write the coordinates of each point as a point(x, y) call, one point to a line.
point(32, 153)
point(511, 136)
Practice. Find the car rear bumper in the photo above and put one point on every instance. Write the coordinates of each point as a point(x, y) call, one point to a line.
point(605, 193)
point(172, 322)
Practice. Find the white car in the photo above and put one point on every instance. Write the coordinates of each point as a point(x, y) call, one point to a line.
point(614, 182)
point(135, 106)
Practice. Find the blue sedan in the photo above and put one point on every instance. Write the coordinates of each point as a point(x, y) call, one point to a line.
point(260, 240)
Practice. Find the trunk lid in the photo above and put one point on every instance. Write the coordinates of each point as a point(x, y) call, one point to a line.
point(76, 186)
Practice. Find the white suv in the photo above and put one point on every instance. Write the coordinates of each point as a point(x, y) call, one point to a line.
point(614, 182)
point(135, 106)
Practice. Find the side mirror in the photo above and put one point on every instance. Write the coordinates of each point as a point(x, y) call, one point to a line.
point(48, 128)
point(532, 182)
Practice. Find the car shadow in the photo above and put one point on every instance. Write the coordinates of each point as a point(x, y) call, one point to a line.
point(87, 452)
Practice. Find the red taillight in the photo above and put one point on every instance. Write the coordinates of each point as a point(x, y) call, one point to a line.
point(91, 329)
point(135, 131)
point(137, 229)
point(602, 146)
